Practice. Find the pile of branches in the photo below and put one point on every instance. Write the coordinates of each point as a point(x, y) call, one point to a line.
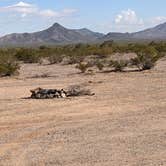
point(74, 90)
point(40, 93)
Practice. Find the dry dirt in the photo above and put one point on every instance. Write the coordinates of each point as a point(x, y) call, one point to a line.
point(124, 124)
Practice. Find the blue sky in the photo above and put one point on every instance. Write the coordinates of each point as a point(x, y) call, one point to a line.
point(102, 15)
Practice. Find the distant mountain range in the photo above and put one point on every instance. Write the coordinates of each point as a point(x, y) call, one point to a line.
point(156, 33)
point(58, 34)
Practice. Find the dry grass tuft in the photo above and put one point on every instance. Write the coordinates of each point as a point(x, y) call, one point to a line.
point(78, 90)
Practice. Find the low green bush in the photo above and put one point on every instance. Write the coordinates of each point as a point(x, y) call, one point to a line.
point(82, 67)
point(55, 58)
point(143, 62)
point(146, 58)
point(8, 65)
point(28, 56)
point(100, 65)
point(74, 59)
point(119, 65)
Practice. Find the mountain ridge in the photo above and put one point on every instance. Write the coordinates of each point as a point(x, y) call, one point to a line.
point(155, 33)
point(58, 34)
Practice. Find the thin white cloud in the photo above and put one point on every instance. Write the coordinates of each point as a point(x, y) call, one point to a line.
point(25, 9)
point(50, 13)
point(27, 17)
point(21, 7)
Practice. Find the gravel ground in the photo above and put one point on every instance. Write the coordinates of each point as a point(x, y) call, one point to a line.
point(124, 124)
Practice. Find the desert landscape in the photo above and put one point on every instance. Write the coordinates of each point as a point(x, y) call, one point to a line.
point(123, 124)
point(82, 83)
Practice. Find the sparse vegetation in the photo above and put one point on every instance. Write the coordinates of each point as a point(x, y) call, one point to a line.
point(143, 62)
point(147, 55)
point(54, 58)
point(100, 65)
point(146, 58)
point(119, 65)
point(82, 67)
point(8, 65)
point(27, 55)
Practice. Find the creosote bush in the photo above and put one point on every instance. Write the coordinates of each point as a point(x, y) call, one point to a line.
point(53, 59)
point(119, 65)
point(100, 65)
point(27, 56)
point(8, 65)
point(143, 62)
point(74, 59)
point(82, 67)
point(145, 59)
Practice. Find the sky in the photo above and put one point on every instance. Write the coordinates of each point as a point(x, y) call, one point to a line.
point(98, 15)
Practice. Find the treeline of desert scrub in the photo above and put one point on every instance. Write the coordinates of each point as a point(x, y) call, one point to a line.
point(84, 56)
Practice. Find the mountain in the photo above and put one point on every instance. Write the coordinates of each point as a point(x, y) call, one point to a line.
point(56, 34)
point(116, 36)
point(156, 33)
point(90, 34)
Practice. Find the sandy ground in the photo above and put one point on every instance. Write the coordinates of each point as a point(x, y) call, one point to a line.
point(123, 124)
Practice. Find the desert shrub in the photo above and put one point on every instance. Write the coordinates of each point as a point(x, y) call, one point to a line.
point(143, 62)
point(8, 65)
point(146, 58)
point(118, 65)
point(161, 55)
point(74, 59)
point(100, 65)
point(27, 56)
point(82, 67)
point(43, 47)
point(161, 46)
point(107, 43)
point(55, 58)
point(78, 90)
